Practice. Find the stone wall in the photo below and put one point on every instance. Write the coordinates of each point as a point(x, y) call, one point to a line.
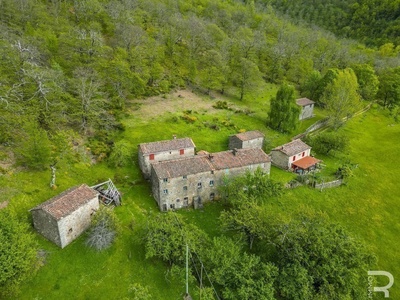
point(329, 184)
point(236, 143)
point(72, 226)
point(144, 159)
point(307, 112)
point(46, 225)
point(196, 189)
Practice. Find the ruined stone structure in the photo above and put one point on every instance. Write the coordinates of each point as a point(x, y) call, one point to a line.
point(163, 150)
point(307, 108)
point(194, 180)
point(64, 217)
point(249, 139)
point(294, 156)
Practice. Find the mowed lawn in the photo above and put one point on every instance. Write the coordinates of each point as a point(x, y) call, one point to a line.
point(367, 206)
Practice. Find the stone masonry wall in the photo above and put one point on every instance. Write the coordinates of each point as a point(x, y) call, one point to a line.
point(77, 222)
point(145, 162)
point(306, 112)
point(175, 193)
point(46, 225)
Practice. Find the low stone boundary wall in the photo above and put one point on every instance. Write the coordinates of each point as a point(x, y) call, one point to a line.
point(329, 184)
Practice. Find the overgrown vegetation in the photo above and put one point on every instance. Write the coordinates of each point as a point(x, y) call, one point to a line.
point(72, 78)
point(103, 229)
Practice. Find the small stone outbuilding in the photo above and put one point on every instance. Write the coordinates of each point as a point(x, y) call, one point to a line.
point(245, 140)
point(163, 150)
point(307, 108)
point(284, 156)
point(63, 218)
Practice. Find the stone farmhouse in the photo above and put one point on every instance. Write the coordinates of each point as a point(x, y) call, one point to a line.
point(192, 180)
point(63, 218)
point(307, 108)
point(248, 139)
point(163, 150)
point(294, 156)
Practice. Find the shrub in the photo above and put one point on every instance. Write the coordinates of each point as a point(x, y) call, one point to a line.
point(103, 230)
point(328, 142)
point(121, 154)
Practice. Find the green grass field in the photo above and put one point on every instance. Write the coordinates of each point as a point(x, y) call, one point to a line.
point(367, 206)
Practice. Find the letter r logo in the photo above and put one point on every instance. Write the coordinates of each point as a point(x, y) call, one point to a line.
point(385, 288)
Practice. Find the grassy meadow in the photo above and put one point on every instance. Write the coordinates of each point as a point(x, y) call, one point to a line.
point(367, 206)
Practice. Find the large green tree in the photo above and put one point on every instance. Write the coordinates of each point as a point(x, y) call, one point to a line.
point(18, 252)
point(367, 80)
point(284, 112)
point(237, 274)
point(320, 260)
point(341, 98)
point(389, 88)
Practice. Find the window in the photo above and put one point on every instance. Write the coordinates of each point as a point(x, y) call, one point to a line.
point(212, 172)
point(165, 192)
point(302, 155)
point(151, 156)
point(182, 151)
point(184, 176)
point(211, 182)
point(294, 158)
point(185, 201)
point(185, 188)
point(165, 180)
point(70, 230)
point(199, 185)
point(172, 206)
point(178, 200)
point(212, 196)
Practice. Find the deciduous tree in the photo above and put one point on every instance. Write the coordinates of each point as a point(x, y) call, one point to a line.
point(341, 98)
point(284, 113)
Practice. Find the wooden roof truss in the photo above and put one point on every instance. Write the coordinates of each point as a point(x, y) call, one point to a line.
point(108, 193)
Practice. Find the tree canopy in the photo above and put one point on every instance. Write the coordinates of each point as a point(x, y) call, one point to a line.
point(284, 112)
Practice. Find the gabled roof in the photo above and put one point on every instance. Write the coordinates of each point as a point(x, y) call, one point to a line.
point(167, 145)
point(207, 163)
point(239, 158)
point(293, 148)
point(68, 201)
point(182, 166)
point(304, 102)
point(249, 135)
point(306, 162)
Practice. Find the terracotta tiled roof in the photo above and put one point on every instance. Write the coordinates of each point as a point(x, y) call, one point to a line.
point(160, 146)
point(67, 202)
point(249, 135)
point(206, 163)
point(183, 166)
point(293, 148)
point(239, 158)
point(304, 101)
point(306, 162)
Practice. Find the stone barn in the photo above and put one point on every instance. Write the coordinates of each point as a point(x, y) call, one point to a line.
point(248, 139)
point(163, 150)
point(294, 156)
point(63, 218)
point(194, 180)
point(307, 108)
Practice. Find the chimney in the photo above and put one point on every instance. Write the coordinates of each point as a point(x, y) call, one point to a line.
point(211, 157)
point(234, 151)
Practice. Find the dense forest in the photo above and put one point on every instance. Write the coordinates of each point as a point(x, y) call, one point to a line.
point(72, 65)
point(374, 22)
point(73, 77)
